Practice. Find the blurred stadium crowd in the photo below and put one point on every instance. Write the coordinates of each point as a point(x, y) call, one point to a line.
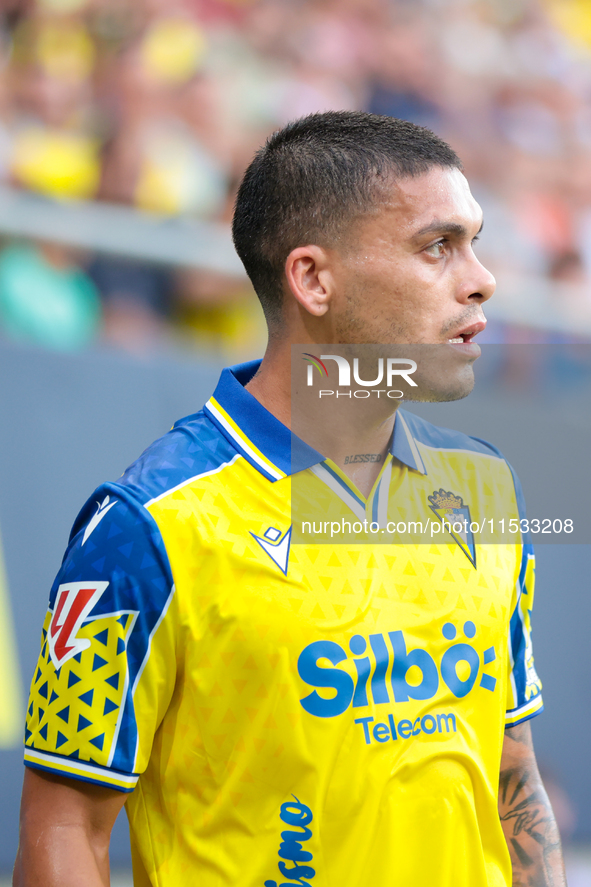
point(159, 104)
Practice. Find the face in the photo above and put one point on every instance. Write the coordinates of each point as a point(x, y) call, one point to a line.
point(408, 275)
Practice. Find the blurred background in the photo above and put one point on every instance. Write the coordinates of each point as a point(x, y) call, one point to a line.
point(125, 126)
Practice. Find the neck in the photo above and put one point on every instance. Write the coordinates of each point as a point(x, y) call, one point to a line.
point(354, 433)
point(272, 383)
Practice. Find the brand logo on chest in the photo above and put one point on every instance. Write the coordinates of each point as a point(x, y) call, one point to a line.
point(276, 546)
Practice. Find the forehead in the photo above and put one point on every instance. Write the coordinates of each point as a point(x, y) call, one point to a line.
point(440, 195)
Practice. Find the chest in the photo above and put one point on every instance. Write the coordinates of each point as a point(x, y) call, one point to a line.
point(372, 623)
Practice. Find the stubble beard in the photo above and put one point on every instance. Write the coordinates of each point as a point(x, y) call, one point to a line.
point(442, 376)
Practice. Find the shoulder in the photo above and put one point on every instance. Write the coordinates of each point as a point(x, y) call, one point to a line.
point(193, 448)
point(438, 438)
point(437, 443)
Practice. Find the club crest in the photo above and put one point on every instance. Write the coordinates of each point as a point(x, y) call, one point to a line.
point(455, 517)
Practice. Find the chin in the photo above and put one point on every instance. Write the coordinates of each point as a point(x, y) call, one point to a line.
point(443, 387)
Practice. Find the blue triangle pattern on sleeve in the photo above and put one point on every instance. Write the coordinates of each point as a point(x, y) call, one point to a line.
point(98, 662)
point(102, 637)
point(64, 714)
point(126, 549)
point(87, 697)
point(98, 741)
point(83, 723)
point(73, 679)
point(109, 706)
point(114, 530)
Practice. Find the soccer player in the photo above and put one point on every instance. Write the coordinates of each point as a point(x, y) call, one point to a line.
point(311, 713)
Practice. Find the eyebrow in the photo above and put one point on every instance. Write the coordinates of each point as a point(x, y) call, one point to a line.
point(455, 229)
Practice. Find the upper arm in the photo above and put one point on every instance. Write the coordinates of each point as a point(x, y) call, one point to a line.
point(520, 785)
point(518, 749)
point(526, 815)
point(106, 671)
point(65, 827)
point(51, 802)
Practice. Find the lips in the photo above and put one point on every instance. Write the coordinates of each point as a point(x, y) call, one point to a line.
point(466, 334)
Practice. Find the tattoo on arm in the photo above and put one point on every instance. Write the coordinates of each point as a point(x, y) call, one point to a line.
point(527, 812)
point(527, 817)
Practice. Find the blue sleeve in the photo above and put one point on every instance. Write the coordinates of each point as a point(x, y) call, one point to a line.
point(108, 601)
point(524, 699)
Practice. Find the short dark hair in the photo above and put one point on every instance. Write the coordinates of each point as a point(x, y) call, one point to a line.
point(313, 178)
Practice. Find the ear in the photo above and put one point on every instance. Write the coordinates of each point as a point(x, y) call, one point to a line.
point(309, 277)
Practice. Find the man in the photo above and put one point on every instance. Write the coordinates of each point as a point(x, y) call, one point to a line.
point(275, 714)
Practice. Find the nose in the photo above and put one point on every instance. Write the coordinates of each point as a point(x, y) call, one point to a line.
point(478, 284)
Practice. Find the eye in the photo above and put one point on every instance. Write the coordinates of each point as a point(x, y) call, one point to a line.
point(438, 249)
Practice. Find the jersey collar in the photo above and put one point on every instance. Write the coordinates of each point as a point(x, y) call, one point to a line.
point(267, 443)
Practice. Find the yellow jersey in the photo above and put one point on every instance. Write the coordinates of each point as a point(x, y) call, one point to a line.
point(283, 711)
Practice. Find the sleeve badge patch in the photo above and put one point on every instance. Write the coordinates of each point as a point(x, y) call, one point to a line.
point(73, 604)
point(81, 683)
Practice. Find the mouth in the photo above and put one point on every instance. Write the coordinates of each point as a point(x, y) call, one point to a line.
point(466, 336)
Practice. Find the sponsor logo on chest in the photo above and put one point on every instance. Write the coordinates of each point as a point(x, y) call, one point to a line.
point(382, 664)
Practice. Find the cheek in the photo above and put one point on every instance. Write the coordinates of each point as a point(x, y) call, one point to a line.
point(406, 295)
point(389, 284)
